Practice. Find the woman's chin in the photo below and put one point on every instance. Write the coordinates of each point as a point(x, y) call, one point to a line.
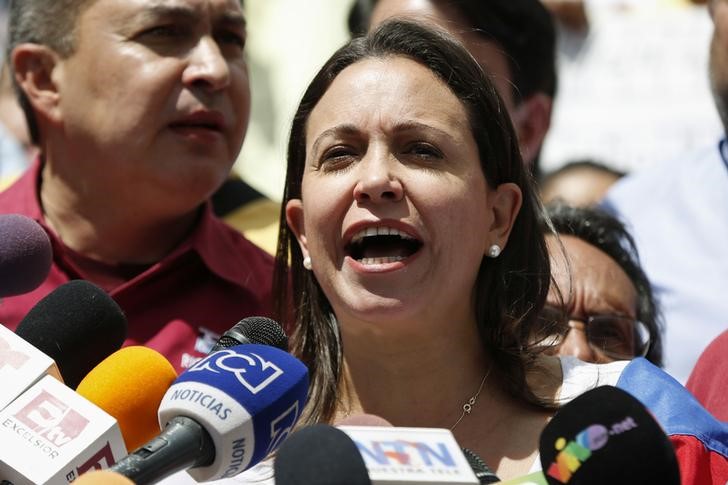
point(376, 309)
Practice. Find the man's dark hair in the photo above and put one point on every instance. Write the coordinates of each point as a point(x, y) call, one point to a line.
point(607, 233)
point(524, 29)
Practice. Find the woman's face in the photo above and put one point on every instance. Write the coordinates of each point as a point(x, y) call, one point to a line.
point(395, 214)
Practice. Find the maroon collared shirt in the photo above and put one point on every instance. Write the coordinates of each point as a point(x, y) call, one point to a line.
point(177, 306)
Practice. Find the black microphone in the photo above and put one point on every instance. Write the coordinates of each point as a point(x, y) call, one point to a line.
point(605, 437)
point(320, 455)
point(25, 255)
point(483, 473)
point(77, 325)
point(254, 330)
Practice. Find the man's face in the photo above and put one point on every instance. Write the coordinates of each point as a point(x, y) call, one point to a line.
point(719, 58)
point(156, 92)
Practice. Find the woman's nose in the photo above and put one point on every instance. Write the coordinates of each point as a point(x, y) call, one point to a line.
point(378, 183)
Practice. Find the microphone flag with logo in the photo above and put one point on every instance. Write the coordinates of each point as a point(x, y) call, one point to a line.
point(21, 366)
point(252, 395)
point(52, 435)
point(223, 415)
point(606, 436)
point(411, 455)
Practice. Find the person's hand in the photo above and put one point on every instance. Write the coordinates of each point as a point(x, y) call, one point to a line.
point(570, 13)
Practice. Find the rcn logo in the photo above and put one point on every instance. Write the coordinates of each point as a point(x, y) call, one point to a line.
point(251, 370)
point(52, 419)
point(282, 426)
point(11, 358)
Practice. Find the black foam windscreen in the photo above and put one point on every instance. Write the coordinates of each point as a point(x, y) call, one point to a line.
point(603, 437)
point(25, 255)
point(254, 330)
point(320, 455)
point(77, 325)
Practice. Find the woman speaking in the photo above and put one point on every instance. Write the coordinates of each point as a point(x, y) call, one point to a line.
point(417, 261)
point(412, 254)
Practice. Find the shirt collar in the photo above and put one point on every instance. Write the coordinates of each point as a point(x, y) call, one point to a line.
point(220, 248)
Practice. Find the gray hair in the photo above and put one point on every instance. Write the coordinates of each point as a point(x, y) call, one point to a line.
point(45, 22)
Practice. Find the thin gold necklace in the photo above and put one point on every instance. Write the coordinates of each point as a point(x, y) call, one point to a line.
point(468, 406)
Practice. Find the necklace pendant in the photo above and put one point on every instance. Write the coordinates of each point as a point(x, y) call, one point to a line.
point(468, 406)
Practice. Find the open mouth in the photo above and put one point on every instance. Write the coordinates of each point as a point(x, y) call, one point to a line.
point(381, 245)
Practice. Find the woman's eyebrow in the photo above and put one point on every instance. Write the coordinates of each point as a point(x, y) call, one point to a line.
point(344, 129)
point(405, 126)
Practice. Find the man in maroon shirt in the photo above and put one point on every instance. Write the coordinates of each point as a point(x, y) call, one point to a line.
point(139, 109)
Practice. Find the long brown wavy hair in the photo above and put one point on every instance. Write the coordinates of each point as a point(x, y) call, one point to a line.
point(510, 290)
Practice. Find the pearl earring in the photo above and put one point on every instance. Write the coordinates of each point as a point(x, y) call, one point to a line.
point(307, 262)
point(494, 251)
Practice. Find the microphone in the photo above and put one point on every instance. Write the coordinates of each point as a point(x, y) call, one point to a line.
point(25, 255)
point(606, 436)
point(254, 330)
point(223, 415)
point(102, 477)
point(64, 335)
point(320, 455)
point(129, 385)
point(50, 434)
point(21, 366)
point(77, 325)
point(411, 455)
point(482, 472)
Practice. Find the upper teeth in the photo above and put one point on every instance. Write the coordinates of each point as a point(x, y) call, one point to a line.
point(379, 231)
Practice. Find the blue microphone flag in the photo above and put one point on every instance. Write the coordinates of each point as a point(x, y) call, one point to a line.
point(249, 396)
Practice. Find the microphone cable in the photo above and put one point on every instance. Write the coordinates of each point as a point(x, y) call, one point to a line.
point(484, 474)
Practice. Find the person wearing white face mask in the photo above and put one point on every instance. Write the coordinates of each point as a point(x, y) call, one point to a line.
point(600, 296)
